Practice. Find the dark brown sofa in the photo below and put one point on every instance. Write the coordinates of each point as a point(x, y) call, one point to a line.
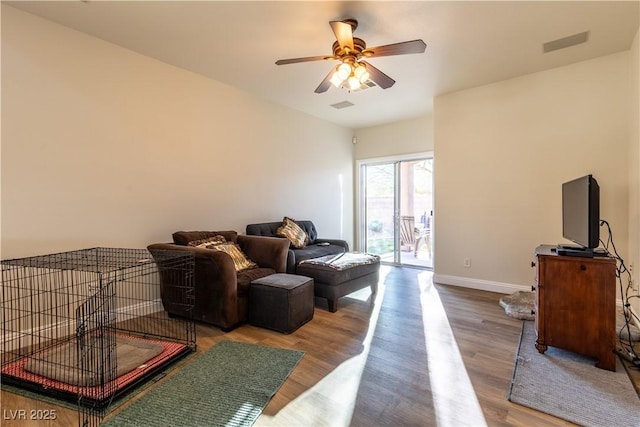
point(221, 293)
point(316, 247)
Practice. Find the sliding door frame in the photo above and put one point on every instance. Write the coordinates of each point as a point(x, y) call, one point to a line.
point(360, 193)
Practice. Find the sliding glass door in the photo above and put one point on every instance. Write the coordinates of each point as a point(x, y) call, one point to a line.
point(396, 210)
point(380, 207)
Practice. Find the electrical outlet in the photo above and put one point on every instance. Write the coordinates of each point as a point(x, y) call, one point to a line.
point(467, 262)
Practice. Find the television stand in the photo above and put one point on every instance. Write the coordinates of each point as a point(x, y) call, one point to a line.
point(575, 304)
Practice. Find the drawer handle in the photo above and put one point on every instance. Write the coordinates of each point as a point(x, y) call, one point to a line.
point(533, 288)
point(583, 267)
point(533, 264)
point(533, 312)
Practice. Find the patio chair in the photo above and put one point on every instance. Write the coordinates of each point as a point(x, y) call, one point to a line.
point(410, 235)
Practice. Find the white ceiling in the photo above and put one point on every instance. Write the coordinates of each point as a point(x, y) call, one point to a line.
point(468, 44)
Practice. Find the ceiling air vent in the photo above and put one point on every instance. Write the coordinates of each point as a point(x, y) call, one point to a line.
point(565, 42)
point(343, 104)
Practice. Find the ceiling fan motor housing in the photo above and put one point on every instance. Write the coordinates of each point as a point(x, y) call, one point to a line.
point(358, 45)
point(352, 22)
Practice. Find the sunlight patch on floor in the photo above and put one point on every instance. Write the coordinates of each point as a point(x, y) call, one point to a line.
point(246, 413)
point(454, 398)
point(332, 400)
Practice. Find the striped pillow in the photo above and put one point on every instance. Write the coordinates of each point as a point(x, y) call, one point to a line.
point(240, 260)
point(292, 231)
point(207, 243)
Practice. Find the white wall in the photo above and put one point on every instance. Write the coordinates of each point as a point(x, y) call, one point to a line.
point(503, 151)
point(403, 137)
point(634, 162)
point(104, 147)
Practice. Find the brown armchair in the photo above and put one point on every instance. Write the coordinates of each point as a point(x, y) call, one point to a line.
point(221, 293)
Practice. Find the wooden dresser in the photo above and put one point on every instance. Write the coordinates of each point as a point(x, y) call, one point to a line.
point(575, 304)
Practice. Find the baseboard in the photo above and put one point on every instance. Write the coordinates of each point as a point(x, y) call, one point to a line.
point(483, 285)
point(140, 309)
point(635, 316)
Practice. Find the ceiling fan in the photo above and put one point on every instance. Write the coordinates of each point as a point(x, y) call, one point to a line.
point(353, 71)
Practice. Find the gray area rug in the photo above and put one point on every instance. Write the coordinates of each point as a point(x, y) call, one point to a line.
point(229, 385)
point(569, 386)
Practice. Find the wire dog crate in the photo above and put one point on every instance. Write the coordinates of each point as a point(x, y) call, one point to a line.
point(88, 325)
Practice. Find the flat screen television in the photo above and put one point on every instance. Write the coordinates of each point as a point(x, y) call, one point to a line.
point(581, 212)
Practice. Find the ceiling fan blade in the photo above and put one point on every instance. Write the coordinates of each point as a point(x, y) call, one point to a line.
point(378, 77)
point(326, 83)
point(344, 33)
point(403, 48)
point(305, 59)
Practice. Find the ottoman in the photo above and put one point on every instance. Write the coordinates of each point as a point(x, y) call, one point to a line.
point(338, 275)
point(282, 302)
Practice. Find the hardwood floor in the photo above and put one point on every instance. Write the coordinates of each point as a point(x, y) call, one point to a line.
point(418, 355)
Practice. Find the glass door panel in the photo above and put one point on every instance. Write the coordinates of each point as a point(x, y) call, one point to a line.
point(416, 212)
point(380, 208)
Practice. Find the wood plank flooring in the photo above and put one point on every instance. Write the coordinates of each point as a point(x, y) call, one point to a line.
point(418, 354)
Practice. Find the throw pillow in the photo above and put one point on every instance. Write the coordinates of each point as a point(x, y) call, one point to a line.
point(207, 243)
point(292, 231)
point(240, 260)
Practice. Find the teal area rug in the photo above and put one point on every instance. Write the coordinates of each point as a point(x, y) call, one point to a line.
point(569, 386)
point(229, 385)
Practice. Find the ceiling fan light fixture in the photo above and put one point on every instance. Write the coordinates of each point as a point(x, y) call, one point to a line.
point(361, 73)
point(336, 81)
point(354, 82)
point(344, 71)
